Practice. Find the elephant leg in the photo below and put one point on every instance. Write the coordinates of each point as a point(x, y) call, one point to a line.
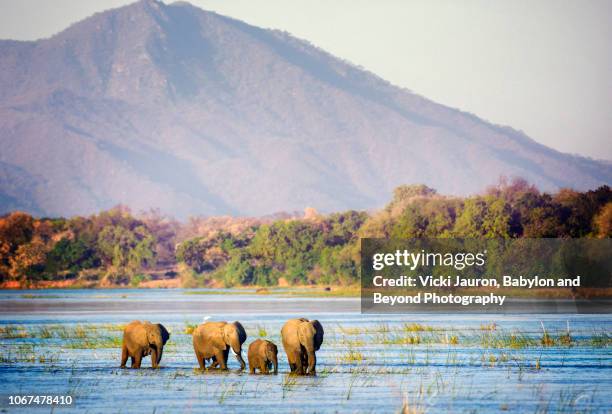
point(221, 360)
point(201, 361)
point(312, 364)
point(299, 366)
point(225, 356)
point(251, 364)
point(292, 364)
point(154, 357)
point(124, 356)
point(138, 360)
point(264, 367)
point(132, 361)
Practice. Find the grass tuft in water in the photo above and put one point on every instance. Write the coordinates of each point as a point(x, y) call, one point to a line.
point(96, 343)
point(601, 339)
point(547, 340)
point(417, 327)
point(12, 332)
point(352, 356)
point(488, 327)
point(189, 328)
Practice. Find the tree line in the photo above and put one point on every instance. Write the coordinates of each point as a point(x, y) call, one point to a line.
point(119, 248)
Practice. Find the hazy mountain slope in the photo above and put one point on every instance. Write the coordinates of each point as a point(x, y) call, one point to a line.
point(170, 106)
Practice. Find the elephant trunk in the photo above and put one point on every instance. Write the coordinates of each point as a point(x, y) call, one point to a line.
point(153, 356)
point(239, 358)
point(157, 348)
point(160, 351)
point(237, 348)
point(312, 359)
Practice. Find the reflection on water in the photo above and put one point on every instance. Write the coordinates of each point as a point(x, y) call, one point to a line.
point(67, 342)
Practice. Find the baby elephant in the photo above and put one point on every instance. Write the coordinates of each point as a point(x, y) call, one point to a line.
point(262, 355)
point(141, 339)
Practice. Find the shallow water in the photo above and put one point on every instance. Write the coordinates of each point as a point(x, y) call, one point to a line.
point(66, 342)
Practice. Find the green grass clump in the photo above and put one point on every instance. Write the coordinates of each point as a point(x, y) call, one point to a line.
point(602, 339)
point(492, 359)
point(45, 332)
point(516, 340)
point(189, 328)
point(547, 340)
point(351, 342)
point(80, 331)
point(382, 328)
point(488, 327)
point(12, 332)
point(315, 291)
point(62, 332)
point(31, 296)
point(26, 353)
point(401, 340)
point(114, 326)
point(565, 339)
point(350, 331)
point(417, 327)
point(96, 343)
point(352, 356)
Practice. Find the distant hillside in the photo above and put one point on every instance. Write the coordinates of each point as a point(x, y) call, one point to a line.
point(170, 106)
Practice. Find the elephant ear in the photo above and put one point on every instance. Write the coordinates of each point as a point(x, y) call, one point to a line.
point(271, 351)
point(305, 332)
point(226, 333)
point(318, 338)
point(164, 333)
point(242, 336)
point(152, 335)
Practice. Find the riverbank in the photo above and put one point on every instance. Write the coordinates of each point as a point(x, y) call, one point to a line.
point(298, 291)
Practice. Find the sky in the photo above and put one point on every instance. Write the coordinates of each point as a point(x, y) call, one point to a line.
point(543, 67)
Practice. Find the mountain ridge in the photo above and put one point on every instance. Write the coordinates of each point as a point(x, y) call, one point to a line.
point(204, 114)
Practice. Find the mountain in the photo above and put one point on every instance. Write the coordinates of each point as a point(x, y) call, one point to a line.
point(172, 107)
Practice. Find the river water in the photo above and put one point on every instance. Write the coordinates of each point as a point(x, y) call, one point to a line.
point(67, 342)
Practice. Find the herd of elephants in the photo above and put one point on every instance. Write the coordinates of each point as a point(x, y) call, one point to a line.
point(212, 341)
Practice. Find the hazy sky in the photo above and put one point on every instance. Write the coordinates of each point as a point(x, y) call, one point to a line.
point(544, 66)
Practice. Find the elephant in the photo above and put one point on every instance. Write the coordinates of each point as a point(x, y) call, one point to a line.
point(263, 354)
point(301, 338)
point(141, 339)
point(214, 339)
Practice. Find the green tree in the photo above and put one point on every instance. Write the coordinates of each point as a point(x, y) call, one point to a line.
point(127, 251)
point(70, 255)
point(487, 216)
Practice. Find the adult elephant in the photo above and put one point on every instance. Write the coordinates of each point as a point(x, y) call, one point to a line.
point(141, 339)
point(214, 340)
point(301, 339)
